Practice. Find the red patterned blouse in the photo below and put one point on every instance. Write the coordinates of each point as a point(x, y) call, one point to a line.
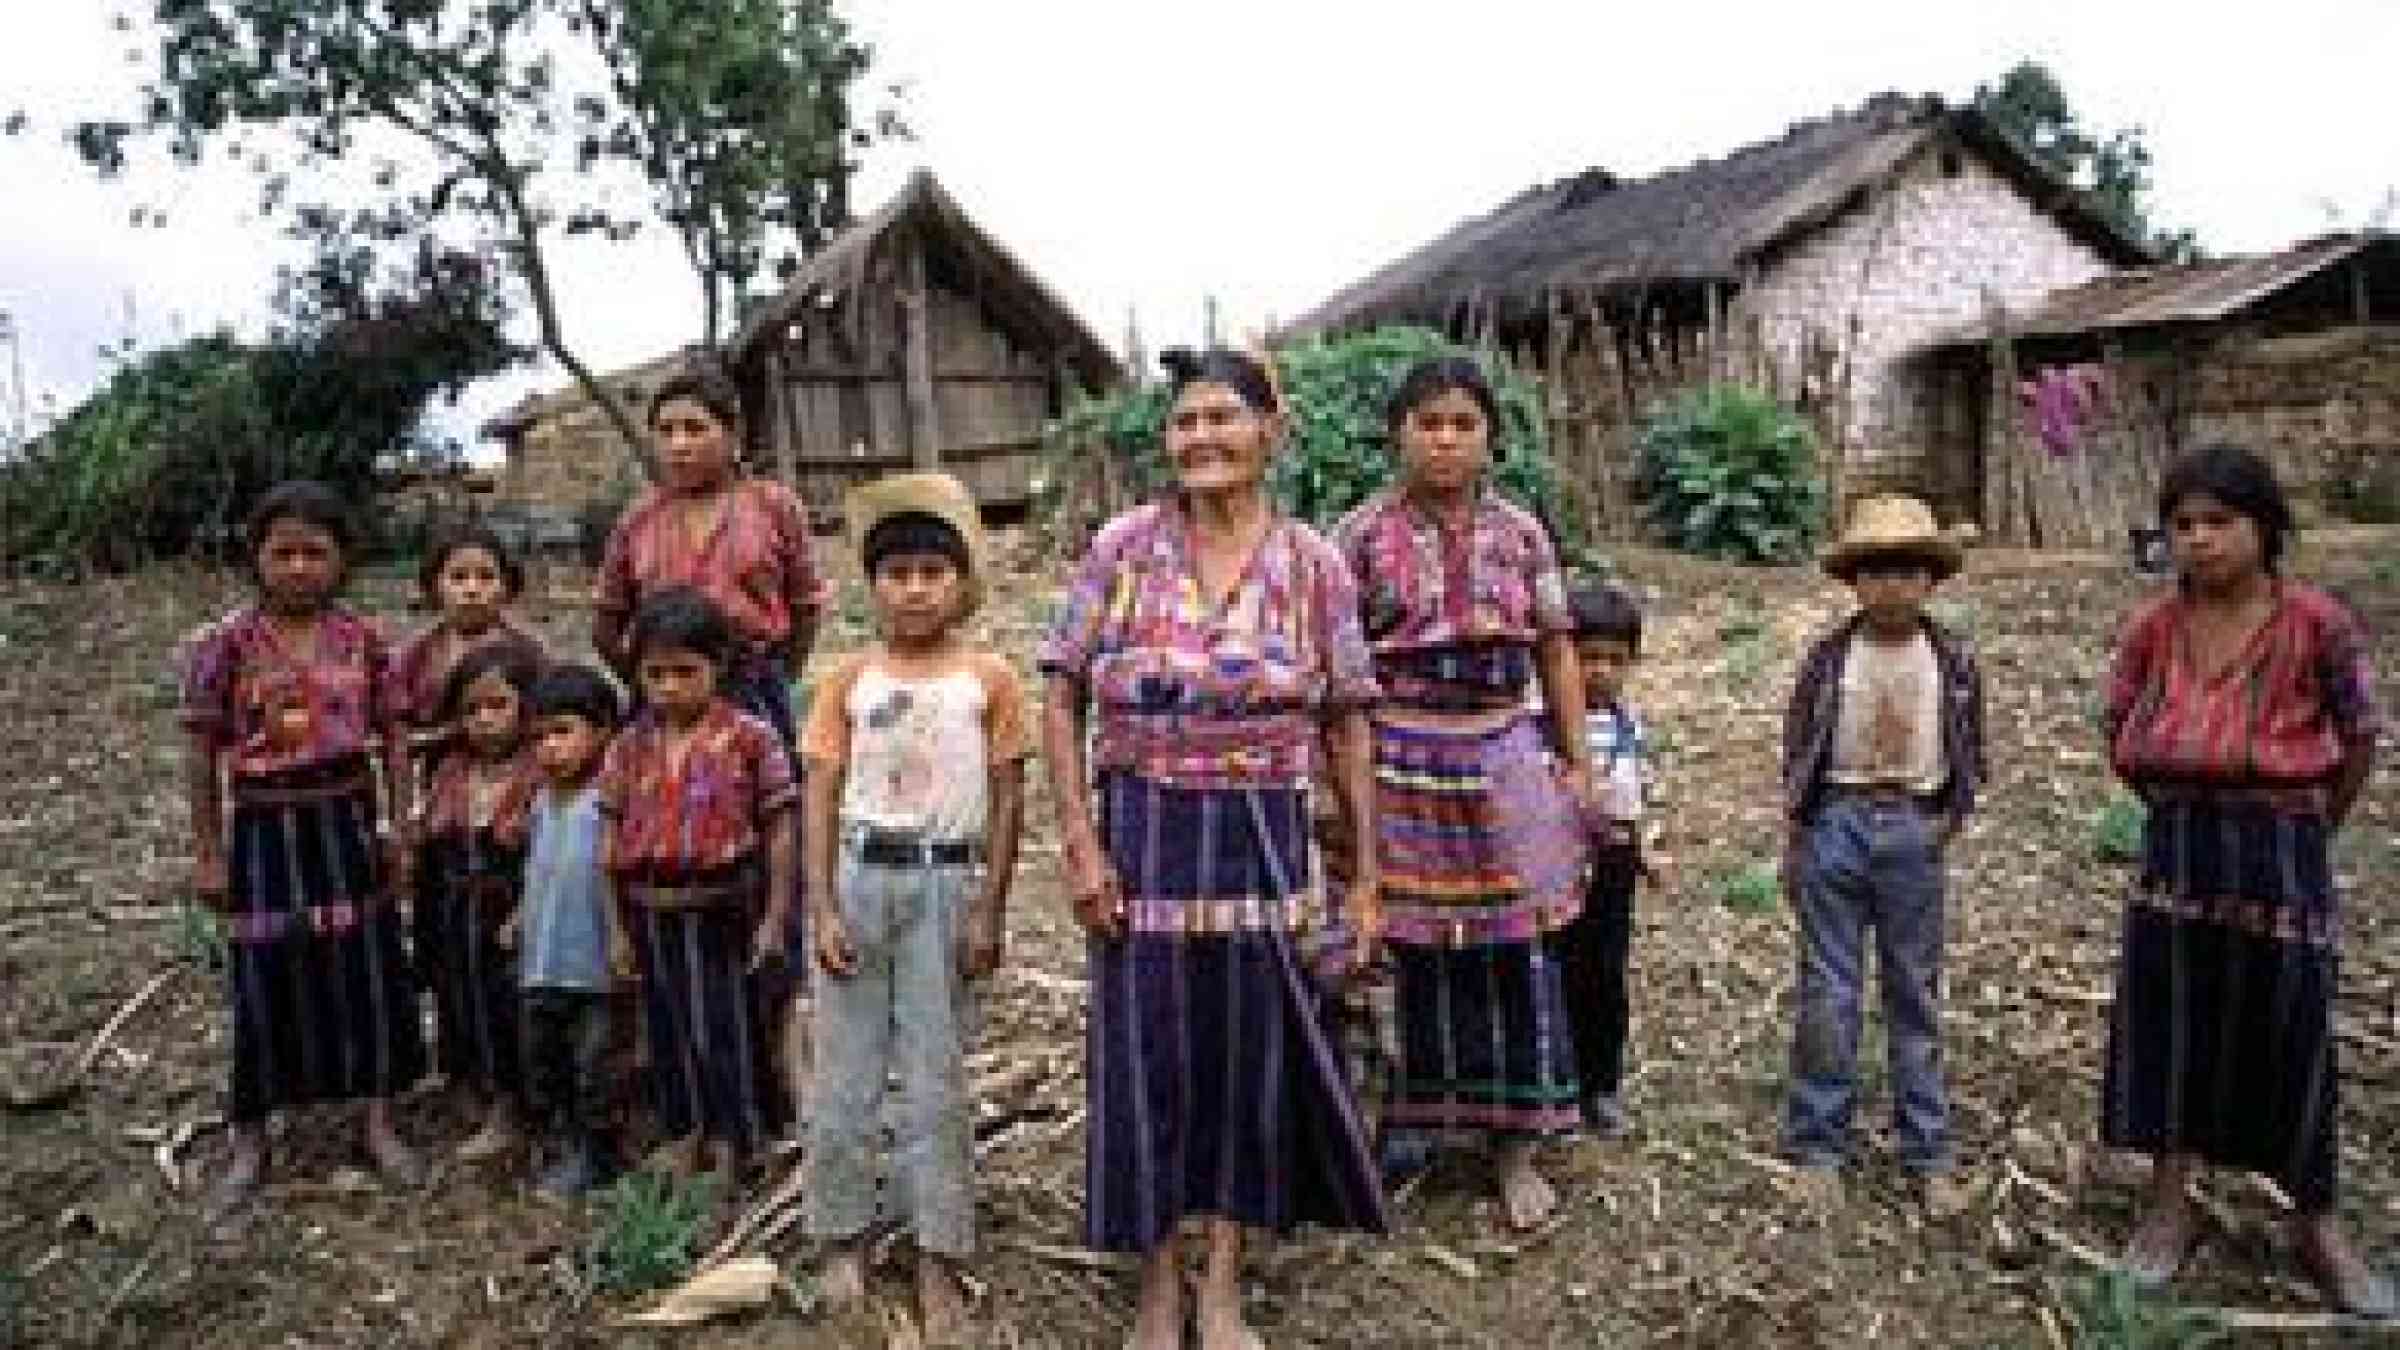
point(271, 707)
point(756, 564)
point(674, 813)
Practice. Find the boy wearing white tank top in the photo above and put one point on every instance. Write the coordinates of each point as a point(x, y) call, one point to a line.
point(915, 749)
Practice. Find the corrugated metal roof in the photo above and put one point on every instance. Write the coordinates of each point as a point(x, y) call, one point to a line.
point(2183, 293)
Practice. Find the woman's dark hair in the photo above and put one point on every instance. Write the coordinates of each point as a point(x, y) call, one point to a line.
point(680, 618)
point(518, 663)
point(1607, 612)
point(703, 382)
point(576, 690)
point(913, 532)
point(1431, 378)
point(2241, 479)
point(1237, 371)
point(472, 534)
point(305, 500)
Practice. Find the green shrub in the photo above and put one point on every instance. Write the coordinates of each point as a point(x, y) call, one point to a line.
point(1727, 472)
point(649, 1231)
point(1752, 888)
point(1337, 450)
point(2112, 1313)
point(2117, 829)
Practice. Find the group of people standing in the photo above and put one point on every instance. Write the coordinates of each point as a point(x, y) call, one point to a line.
point(1407, 742)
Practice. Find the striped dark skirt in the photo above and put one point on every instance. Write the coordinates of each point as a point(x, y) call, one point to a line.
point(2221, 1037)
point(1212, 1086)
point(465, 893)
point(324, 1004)
point(1484, 1041)
point(711, 1022)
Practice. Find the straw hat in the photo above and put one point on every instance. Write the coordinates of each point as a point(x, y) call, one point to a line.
point(1894, 525)
point(934, 494)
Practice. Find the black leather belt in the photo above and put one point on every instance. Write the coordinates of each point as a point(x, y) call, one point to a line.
point(879, 849)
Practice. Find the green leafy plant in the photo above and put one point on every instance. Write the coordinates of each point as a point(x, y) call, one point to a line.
point(2117, 829)
point(1727, 472)
point(1338, 448)
point(198, 937)
point(649, 1231)
point(1752, 888)
point(2112, 1313)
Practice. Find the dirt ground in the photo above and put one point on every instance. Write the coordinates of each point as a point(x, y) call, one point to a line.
point(1688, 1234)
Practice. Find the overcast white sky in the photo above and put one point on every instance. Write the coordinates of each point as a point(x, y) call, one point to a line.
point(1145, 156)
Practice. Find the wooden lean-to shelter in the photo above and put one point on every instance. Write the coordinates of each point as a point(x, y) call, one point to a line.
point(1816, 266)
point(913, 339)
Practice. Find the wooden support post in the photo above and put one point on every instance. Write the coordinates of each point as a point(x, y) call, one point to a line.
point(924, 419)
point(781, 415)
point(1719, 369)
point(2358, 289)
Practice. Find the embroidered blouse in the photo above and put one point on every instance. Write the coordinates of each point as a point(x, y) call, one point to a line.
point(1452, 607)
point(757, 564)
point(672, 818)
point(424, 665)
point(2284, 711)
point(453, 808)
point(1195, 695)
point(272, 709)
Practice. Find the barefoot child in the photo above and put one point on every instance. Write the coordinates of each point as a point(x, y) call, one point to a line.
point(1883, 751)
point(285, 700)
point(698, 797)
point(1593, 947)
point(470, 862)
point(916, 751)
point(569, 942)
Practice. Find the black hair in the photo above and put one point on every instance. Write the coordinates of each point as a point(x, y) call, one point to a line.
point(516, 662)
point(703, 382)
point(680, 618)
point(1608, 612)
point(572, 689)
point(1435, 376)
point(1237, 371)
point(457, 538)
point(307, 501)
point(913, 532)
point(2244, 481)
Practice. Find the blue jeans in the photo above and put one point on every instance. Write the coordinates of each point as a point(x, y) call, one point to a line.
point(1868, 862)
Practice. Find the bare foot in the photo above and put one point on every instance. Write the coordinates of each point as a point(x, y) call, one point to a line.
point(497, 1137)
point(1158, 1322)
point(245, 1168)
point(675, 1158)
point(1525, 1195)
point(394, 1160)
point(2164, 1238)
point(941, 1301)
point(2347, 1282)
point(1222, 1326)
point(844, 1280)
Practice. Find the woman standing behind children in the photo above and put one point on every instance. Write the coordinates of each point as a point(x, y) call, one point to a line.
point(469, 864)
point(1882, 755)
point(286, 699)
point(2242, 710)
point(915, 795)
point(699, 796)
point(569, 941)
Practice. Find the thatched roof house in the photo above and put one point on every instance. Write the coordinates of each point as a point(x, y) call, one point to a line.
point(1820, 263)
point(915, 337)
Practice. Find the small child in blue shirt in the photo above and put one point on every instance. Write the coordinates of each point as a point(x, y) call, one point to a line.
point(570, 945)
point(1593, 949)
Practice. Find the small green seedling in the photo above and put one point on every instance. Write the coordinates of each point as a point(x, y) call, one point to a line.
point(648, 1232)
point(199, 936)
point(1752, 888)
point(2117, 830)
point(2112, 1313)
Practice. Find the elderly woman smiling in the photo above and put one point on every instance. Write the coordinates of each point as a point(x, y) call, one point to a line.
point(1217, 644)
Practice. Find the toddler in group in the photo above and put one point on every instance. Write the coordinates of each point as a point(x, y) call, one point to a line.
point(469, 863)
point(570, 945)
point(916, 750)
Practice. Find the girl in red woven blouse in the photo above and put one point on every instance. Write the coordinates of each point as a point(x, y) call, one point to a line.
point(2241, 709)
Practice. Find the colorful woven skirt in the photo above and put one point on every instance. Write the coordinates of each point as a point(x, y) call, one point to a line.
point(712, 1024)
point(465, 893)
point(2220, 1041)
point(324, 1005)
point(1212, 1086)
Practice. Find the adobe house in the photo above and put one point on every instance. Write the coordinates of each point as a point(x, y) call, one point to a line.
point(911, 338)
point(1817, 265)
point(2081, 395)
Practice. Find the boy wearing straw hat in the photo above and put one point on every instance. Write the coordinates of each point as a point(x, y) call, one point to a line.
point(1883, 750)
point(916, 749)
